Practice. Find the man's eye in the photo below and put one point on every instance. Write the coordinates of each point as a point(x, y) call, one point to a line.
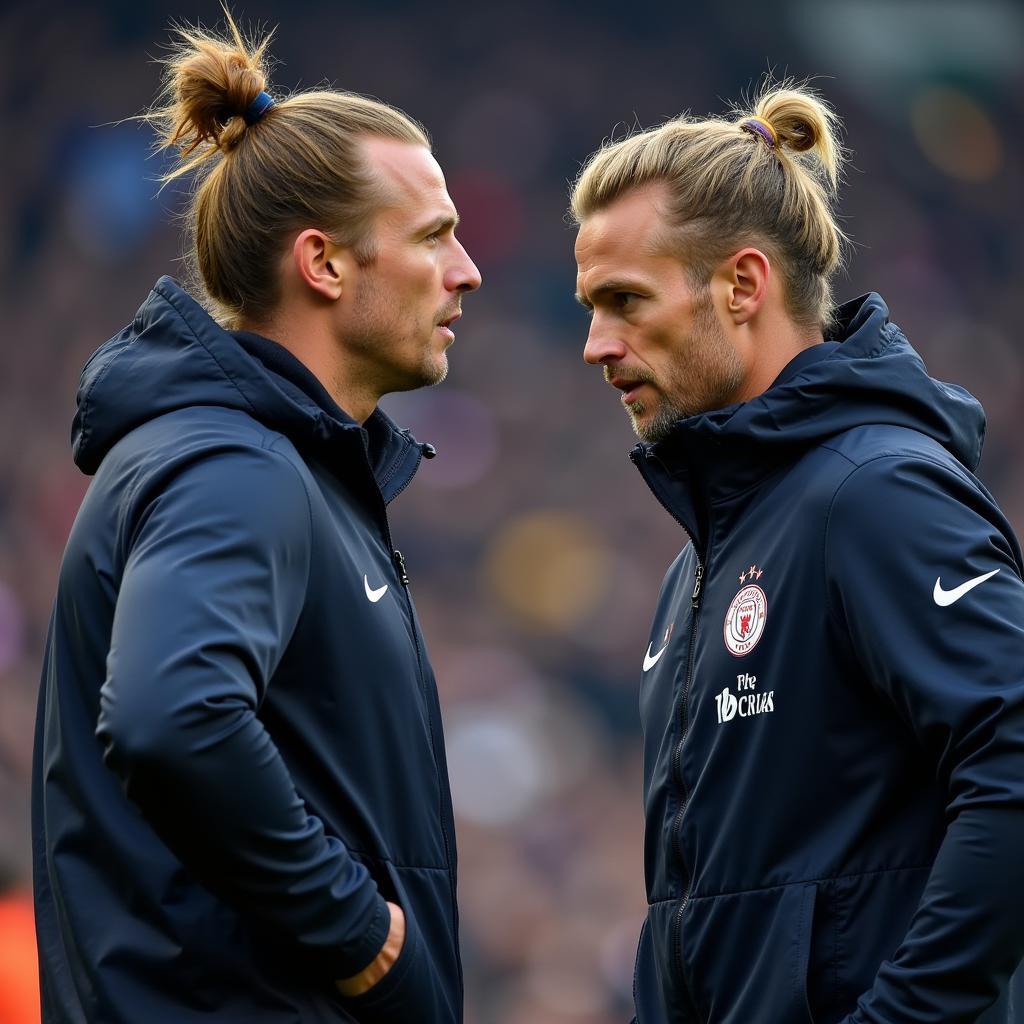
point(623, 299)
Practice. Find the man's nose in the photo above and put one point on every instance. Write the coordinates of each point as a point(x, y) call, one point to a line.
point(603, 345)
point(463, 275)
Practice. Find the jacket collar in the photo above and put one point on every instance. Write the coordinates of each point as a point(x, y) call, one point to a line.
point(174, 355)
point(393, 454)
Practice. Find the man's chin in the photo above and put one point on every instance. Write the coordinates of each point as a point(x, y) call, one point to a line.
point(651, 424)
point(640, 421)
point(424, 376)
point(430, 374)
point(436, 372)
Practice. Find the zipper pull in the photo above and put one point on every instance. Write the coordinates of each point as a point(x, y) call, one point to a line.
point(698, 579)
point(403, 576)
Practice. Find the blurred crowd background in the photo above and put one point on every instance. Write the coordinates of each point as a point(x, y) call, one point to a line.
point(535, 550)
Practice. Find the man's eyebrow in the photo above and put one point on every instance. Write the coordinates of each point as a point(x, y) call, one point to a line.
point(606, 287)
point(440, 223)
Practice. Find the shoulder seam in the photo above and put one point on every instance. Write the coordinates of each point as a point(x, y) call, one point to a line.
point(892, 451)
point(266, 444)
point(266, 441)
point(835, 451)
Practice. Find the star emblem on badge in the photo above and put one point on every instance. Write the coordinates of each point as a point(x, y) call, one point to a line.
point(753, 573)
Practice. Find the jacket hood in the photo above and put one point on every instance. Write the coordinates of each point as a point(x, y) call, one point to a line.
point(873, 376)
point(174, 355)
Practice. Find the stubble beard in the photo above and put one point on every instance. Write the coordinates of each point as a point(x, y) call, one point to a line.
point(384, 335)
point(707, 376)
point(434, 373)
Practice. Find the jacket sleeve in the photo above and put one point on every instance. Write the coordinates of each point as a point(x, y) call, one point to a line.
point(903, 534)
point(214, 582)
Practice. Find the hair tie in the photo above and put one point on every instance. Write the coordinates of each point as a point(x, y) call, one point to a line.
point(259, 106)
point(759, 126)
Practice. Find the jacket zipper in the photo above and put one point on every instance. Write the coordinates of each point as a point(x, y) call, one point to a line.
point(677, 771)
point(403, 577)
point(398, 559)
point(399, 562)
point(677, 754)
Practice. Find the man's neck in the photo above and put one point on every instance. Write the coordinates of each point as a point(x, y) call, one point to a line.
point(774, 345)
point(315, 350)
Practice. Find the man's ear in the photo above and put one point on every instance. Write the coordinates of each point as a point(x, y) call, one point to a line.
point(744, 280)
point(321, 264)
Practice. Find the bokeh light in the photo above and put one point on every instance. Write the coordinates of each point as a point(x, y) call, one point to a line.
point(957, 134)
point(110, 206)
point(550, 569)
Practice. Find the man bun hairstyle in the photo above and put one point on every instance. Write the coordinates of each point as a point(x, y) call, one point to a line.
point(211, 83)
point(264, 168)
point(767, 176)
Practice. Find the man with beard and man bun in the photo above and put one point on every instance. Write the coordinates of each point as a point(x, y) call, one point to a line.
point(832, 696)
point(241, 804)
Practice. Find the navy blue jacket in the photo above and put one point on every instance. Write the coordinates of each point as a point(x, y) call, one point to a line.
point(239, 753)
point(833, 706)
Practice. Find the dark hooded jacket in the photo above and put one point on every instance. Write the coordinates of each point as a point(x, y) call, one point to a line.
point(833, 706)
point(238, 753)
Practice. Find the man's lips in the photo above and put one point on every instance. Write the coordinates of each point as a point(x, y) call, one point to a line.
point(628, 386)
point(445, 325)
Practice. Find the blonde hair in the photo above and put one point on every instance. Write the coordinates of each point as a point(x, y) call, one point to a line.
point(298, 164)
point(768, 177)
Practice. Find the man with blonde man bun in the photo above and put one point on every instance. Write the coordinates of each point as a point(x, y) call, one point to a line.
point(832, 695)
point(240, 800)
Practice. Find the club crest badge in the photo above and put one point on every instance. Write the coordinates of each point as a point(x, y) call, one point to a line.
point(745, 619)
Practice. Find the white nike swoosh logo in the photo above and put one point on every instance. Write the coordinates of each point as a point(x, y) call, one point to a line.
point(650, 660)
point(943, 598)
point(373, 596)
